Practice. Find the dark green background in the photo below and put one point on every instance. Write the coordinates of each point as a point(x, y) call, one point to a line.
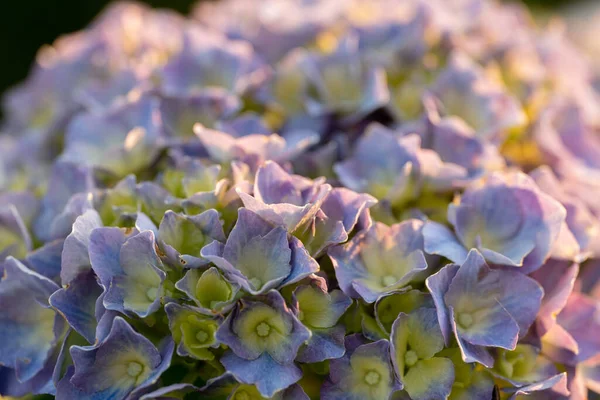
point(25, 25)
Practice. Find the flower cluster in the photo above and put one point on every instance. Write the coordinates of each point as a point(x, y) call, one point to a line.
point(422, 225)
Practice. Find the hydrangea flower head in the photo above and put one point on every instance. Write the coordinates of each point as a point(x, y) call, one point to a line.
point(303, 199)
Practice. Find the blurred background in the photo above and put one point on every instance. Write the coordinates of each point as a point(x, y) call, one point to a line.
point(27, 25)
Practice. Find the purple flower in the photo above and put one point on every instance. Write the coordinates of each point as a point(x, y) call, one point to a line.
point(189, 177)
point(379, 260)
point(14, 236)
point(64, 201)
point(253, 149)
point(273, 27)
point(119, 367)
point(260, 257)
point(482, 307)
point(341, 213)
point(557, 278)
point(75, 256)
point(554, 387)
point(566, 137)
point(285, 200)
point(77, 303)
point(264, 337)
point(455, 141)
point(572, 340)
point(341, 82)
point(180, 113)
point(129, 270)
point(227, 385)
point(464, 91)
point(396, 43)
point(506, 217)
point(363, 373)
point(209, 60)
point(525, 366)
point(580, 235)
point(395, 168)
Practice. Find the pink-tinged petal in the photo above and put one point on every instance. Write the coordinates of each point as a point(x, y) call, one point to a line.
point(557, 279)
point(284, 199)
point(381, 165)
point(345, 205)
point(465, 91)
point(580, 318)
point(509, 219)
point(556, 384)
point(579, 219)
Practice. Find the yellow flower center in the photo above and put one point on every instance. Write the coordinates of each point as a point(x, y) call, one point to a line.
point(372, 378)
point(410, 358)
point(201, 336)
point(263, 329)
point(389, 280)
point(152, 293)
point(134, 369)
point(465, 320)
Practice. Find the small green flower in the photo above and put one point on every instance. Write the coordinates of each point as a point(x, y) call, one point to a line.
point(211, 292)
point(416, 339)
point(193, 332)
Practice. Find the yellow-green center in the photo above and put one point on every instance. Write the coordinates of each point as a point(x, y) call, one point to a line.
point(152, 293)
point(263, 329)
point(372, 378)
point(134, 369)
point(201, 336)
point(410, 358)
point(256, 283)
point(465, 320)
point(389, 280)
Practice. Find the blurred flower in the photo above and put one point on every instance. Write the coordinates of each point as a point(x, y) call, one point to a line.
point(506, 217)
